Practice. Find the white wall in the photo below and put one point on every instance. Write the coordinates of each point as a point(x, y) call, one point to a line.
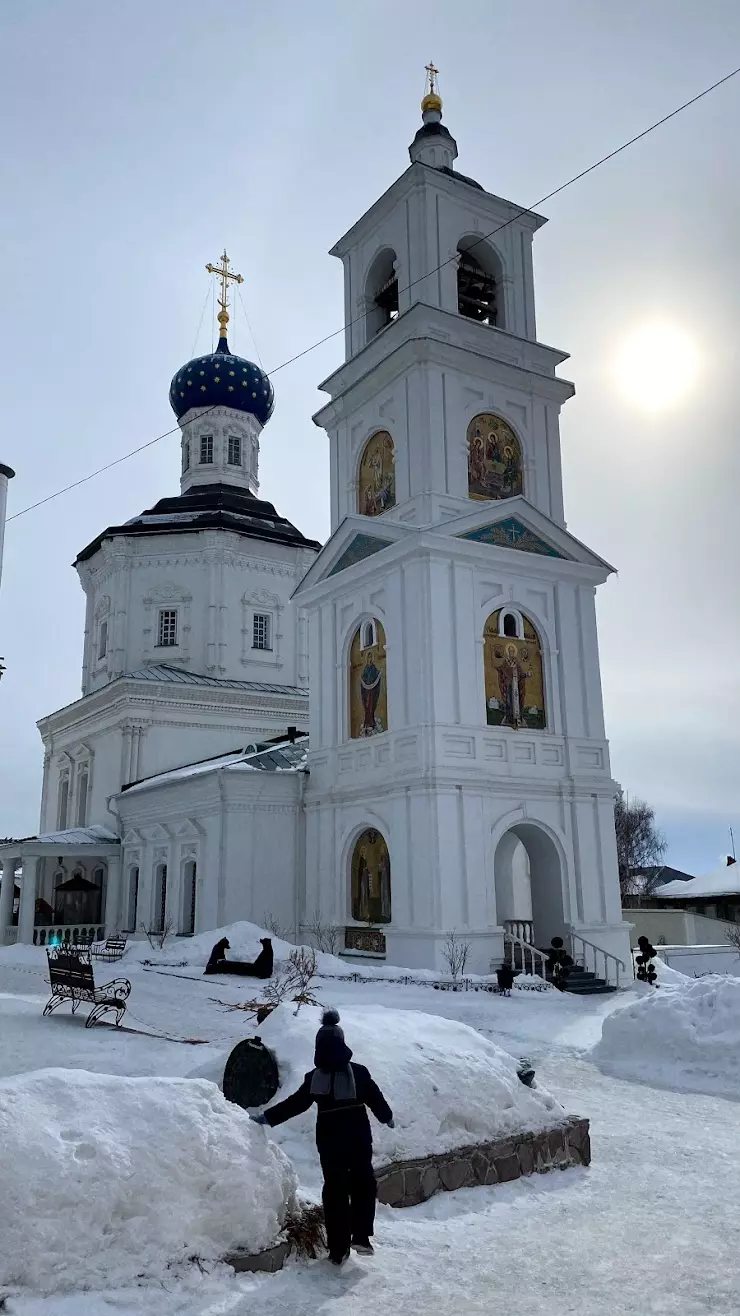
point(216, 580)
point(697, 960)
point(242, 828)
point(679, 927)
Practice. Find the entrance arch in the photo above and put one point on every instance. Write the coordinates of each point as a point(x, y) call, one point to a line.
point(530, 883)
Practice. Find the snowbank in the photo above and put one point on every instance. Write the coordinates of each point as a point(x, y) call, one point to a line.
point(447, 1085)
point(244, 940)
point(108, 1179)
point(684, 1035)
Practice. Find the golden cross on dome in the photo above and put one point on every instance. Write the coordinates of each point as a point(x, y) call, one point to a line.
point(224, 274)
point(431, 79)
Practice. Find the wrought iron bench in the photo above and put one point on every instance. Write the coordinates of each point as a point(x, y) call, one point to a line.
point(109, 950)
point(71, 977)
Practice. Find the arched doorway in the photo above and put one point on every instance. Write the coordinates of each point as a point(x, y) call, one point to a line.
point(530, 884)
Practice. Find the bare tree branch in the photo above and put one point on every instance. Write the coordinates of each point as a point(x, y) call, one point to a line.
point(325, 936)
point(640, 844)
point(455, 954)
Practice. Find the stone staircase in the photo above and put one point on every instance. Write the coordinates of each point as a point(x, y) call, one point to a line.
point(581, 982)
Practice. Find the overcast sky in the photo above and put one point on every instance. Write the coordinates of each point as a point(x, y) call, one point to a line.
point(140, 138)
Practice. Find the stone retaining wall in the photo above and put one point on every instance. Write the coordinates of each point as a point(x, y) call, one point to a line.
point(406, 1183)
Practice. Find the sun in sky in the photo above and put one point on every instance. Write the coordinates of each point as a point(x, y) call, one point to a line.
point(656, 365)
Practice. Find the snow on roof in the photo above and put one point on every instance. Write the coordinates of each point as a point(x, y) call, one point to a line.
point(724, 880)
point(173, 675)
point(285, 757)
point(78, 837)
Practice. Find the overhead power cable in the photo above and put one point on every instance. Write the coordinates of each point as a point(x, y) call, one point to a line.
point(575, 178)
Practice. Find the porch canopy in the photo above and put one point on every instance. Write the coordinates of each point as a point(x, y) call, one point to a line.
point(72, 847)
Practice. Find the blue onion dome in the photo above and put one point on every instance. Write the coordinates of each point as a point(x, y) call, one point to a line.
point(224, 380)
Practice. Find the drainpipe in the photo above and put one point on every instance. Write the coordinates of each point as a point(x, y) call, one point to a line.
point(300, 855)
point(5, 474)
point(221, 848)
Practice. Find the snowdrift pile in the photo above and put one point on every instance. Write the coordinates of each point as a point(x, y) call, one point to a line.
point(684, 1035)
point(447, 1085)
point(105, 1179)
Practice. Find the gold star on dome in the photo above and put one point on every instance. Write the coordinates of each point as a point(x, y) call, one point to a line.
point(231, 388)
point(217, 379)
point(203, 388)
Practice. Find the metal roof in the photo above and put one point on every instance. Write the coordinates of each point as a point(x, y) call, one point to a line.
point(162, 672)
point(285, 757)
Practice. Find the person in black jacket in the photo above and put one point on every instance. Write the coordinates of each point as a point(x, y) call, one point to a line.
point(341, 1091)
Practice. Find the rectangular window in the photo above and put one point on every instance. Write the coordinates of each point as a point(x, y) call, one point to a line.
point(206, 449)
point(235, 451)
point(103, 640)
point(262, 631)
point(186, 455)
point(167, 629)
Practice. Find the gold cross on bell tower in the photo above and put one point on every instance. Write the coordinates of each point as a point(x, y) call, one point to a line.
point(224, 274)
point(431, 79)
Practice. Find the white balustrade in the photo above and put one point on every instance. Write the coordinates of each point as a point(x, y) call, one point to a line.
point(593, 958)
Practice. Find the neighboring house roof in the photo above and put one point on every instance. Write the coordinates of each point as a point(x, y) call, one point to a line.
point(285, 757)
point(722, 881)
point(662, 873)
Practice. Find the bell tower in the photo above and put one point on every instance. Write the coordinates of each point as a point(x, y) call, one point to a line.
point(440, 316)
point(459, 771)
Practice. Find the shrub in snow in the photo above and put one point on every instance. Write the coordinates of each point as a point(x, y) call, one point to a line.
point(645, 962)
point(686, 1036)
point(108, 1179)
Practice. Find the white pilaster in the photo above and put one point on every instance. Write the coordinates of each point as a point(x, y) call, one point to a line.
point(27, 912)
point(6, 895)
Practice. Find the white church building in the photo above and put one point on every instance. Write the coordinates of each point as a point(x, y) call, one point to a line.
point(402, 732)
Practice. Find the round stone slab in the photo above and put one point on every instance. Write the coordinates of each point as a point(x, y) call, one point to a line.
point(251, 1075)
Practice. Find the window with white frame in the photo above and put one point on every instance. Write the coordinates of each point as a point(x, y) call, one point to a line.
point(206, 449)
point(167, 628)
point(186, 455)
point(102, 640)
point(262, 630)
point(235, 450)
point(368, 635)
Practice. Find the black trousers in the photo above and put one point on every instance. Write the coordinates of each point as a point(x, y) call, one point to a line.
point(349, 1198)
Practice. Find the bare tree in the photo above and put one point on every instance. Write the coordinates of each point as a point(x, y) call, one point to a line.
point(326, 937)
point(640, 844)
point(455, 954)
point(272, 924)
point(733, 937)
point(158, 937)
point(293, 983)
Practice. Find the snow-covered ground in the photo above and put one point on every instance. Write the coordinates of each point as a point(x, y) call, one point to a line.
point(653, 1226)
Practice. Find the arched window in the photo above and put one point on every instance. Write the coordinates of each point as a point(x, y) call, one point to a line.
point(132, 898)
point(381, 293)
point(478, 282)
point(376, 486)
point(102, 640)
point(494, 459)
point(371, 878)
point(511, 623)
point(83, 781)
point(160, 898)
point(63, 804)
point(512, 665)
point(189, 892)
point(368, 697)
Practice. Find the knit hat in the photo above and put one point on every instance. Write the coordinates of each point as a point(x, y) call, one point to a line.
point(331, 1051)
